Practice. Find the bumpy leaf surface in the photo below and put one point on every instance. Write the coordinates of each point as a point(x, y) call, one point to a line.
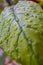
point(21, 33)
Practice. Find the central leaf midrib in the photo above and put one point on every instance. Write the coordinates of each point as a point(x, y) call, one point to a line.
point(15, 16)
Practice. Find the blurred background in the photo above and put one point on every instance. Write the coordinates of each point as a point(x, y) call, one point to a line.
point(4, 3)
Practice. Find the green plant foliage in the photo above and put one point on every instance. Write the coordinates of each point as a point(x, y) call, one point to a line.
point(21, 33)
